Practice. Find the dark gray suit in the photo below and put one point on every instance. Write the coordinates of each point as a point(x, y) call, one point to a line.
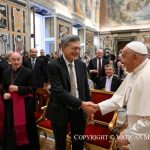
point(64, 108)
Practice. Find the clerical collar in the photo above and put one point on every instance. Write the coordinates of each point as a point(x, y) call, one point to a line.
point(66, 61)
point(16, 71)
point(138, 68)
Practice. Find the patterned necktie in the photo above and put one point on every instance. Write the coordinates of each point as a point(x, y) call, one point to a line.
point(72, 80)
point(33, 63)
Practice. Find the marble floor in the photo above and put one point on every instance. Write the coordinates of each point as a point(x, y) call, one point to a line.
point(48, 144)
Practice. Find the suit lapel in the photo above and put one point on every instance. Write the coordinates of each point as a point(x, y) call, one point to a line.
point(95, 62)
point(36, 63)
point(104, 83)
point(64, 68)
point(78, 73)
point(103, 63)
point(112, 83)
point(29, 62)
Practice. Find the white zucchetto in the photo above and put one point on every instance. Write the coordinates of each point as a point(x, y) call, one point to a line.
point(138, 47)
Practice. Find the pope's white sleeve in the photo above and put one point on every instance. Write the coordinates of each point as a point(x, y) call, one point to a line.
point(117, 100)
point(107, 106)
point(139, 132)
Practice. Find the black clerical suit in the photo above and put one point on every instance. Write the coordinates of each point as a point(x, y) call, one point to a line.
point(64, 108)
point(116, 81)
point(26, 85)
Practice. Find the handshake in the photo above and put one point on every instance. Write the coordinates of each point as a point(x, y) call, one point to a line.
point(89, 107)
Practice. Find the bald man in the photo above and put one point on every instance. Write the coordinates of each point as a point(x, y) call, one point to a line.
point(20, 132)
point(133, 92)
point(39, 69)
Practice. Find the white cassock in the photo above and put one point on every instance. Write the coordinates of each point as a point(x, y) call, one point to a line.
point(135, 93)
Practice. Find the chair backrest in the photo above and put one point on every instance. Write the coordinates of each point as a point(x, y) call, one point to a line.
point(42, 98)
point(99, 96)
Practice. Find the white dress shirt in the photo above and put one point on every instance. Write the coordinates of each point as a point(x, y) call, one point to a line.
point(108, 83)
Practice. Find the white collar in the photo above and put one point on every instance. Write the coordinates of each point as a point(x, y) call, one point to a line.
point(67, 62)
point(138, 68)
point(109, 77)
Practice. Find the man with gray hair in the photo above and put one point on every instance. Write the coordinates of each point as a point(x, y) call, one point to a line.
point(70, 95)
point(133, 92)
point(110, 82)
point(96, 66)
point(18, 85)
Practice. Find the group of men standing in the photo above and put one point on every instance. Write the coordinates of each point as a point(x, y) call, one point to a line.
point(102, 72)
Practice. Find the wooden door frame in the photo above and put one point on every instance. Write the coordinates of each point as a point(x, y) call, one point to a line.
point(121, 39)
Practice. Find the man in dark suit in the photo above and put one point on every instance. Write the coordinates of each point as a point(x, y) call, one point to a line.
point(38, 67)
point(20, 131)
point(96, 66)
point(43, 57)
point(69, 94)
point(110, 82)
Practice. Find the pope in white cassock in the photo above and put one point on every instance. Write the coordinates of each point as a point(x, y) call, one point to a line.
point(135, 93)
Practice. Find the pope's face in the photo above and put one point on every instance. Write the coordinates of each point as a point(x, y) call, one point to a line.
point(127, 59)
point(72, 51)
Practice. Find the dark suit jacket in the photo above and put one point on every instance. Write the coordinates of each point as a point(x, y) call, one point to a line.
point(114, 84)
point(26, 85)
point(61, 99)
point(3, 66)
point(44, 58)
point(40, 71)
point(93, 65)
